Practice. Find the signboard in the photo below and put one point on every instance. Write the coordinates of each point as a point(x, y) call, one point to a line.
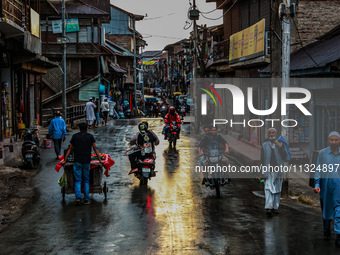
point(72, 25)
point(248, 43)
point(149, 63)
point(35, 23)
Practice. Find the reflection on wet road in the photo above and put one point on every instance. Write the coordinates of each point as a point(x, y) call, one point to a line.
point(174, 214)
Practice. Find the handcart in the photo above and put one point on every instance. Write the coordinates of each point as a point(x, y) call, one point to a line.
point(96, 184)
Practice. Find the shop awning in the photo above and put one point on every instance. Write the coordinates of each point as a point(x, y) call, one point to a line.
point(10, 29)
point(117, 68)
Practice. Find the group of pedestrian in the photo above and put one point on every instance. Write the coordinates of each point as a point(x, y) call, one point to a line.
point(274, 152)
point(92, 110)
point(152, 109)
point(326, 180)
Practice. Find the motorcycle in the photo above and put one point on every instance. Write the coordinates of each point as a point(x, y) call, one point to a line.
point(172, 135)
point(146, 163)
point(128, 114)
point(30, 150)
point(182, 111)
point(164, 111)
point(214, 158)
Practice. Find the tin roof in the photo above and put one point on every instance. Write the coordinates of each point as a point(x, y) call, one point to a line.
point(77, 7)
point(151, 54)
point(315, 55)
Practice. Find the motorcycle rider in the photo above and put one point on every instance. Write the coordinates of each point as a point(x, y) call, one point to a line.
point(165, 103)
point(164, 108)
point(213, 140)
point(169, 118)
point(144, 135)
point(183, 104)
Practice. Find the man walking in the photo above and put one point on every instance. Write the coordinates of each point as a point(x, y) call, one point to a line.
point(97, 112)
point(327, 184)
point(57, 130)
point(82, 144)
point(273, 153)
point(90, 115)
point(105, 110)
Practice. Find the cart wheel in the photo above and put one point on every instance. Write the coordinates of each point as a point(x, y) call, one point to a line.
point(105, 189)
point(63, 193)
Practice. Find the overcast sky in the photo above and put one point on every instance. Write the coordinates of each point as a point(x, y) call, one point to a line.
point(166, 18)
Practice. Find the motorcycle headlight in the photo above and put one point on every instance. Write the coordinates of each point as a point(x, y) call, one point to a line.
point(214, 159)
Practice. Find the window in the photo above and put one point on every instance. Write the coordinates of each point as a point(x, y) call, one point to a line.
point(95, 34)
point(83, 35)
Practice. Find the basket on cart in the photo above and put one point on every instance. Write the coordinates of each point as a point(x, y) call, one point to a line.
point(96, 185)
point(96, 175)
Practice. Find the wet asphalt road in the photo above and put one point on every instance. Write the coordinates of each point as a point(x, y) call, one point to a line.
point(175, 214)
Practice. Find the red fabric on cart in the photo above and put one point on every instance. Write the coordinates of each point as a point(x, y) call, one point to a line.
point(108, 162)
point(59, 165)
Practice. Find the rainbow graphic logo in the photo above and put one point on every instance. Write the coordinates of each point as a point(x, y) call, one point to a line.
point(204, 98)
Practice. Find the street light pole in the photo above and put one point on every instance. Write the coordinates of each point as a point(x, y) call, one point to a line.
point(64, 60)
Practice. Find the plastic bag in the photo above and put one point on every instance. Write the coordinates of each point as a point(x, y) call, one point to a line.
point(61, 181)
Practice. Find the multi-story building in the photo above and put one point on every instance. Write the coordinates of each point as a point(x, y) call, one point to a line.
point(122, 37)
point(22, 65)
point(240, 60)
point(86, 56)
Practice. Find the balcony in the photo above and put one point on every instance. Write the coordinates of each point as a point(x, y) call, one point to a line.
point(76, 49)
point(12, 10)
point(221, 51)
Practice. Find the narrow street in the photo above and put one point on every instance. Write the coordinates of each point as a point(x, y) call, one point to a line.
point(173, 215)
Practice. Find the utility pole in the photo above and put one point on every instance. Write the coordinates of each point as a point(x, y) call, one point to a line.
point(285, 56)
point(64, 60)
point(134, 62)
point(286, 12)
point(194, 15)
point(194, 71)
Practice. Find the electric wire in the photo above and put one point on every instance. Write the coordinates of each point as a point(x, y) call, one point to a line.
point(303, 47)
point(222, 14)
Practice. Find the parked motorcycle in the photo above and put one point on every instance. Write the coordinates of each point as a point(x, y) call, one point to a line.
point(30, 150)
point(146, 163)
point(128, 114)
point(216, 180)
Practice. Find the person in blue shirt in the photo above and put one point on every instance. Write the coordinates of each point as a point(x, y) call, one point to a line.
point(57, 130)
point(327, 184)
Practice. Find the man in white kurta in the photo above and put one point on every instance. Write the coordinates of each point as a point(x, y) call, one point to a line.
point(272, 154)
point(90, 115)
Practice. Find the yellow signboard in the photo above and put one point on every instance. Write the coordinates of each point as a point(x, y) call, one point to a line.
point(35, 23)
point(247, 43)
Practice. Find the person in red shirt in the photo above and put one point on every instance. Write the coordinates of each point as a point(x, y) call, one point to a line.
point(171, 117)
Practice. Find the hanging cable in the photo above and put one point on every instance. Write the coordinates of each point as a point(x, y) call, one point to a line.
point(216, 8)
point(303, 47)
point(222, 14)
